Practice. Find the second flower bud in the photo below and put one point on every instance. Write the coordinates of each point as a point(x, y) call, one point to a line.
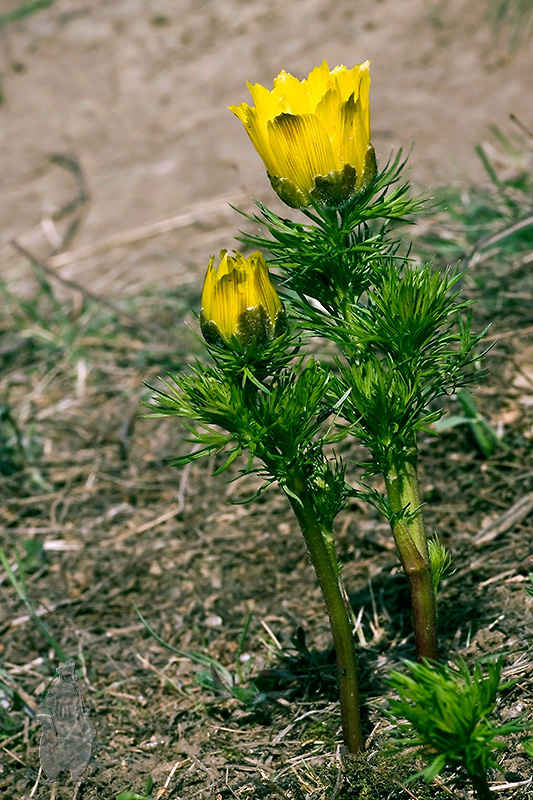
point(240, 305)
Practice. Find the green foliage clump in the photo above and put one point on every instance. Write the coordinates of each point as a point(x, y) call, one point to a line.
point(447, 714)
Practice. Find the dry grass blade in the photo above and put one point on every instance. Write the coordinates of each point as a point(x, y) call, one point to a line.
point(518, 512)
point(103, 301)
point(474, 257)
point(182, 220)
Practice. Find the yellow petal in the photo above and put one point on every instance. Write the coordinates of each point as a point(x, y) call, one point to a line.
point(348, 81)
point(330, 111)
point(207, 290)
point(364, 90)
point(291, 95)
point(318, 83)
point(227, 303)
point(241, 112)
point(224, 265)
point(255, 119)
point(264, 100)
point(265, 288)
point(343, 81)
point(358, 140)
point(301, 149)
point(256, 127)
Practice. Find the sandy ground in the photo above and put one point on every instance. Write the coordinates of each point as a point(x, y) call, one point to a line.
point(137, 92)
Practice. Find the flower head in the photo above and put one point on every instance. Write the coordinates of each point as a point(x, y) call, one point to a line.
point(314, 135)
point(239, 300)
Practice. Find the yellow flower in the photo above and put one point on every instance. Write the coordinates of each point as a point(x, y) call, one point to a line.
point(314, 135)
point(240, 300)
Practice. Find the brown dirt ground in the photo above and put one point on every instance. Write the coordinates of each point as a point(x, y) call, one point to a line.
point(137, 93)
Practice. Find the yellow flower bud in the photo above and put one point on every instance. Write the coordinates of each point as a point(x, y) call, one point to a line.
point(239, 299)
point(314, 135)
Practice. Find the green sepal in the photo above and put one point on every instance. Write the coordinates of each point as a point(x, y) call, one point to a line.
point(210, 331)
point(369, 171)
point(288, 192)
point(254, 330)
point(336, 188)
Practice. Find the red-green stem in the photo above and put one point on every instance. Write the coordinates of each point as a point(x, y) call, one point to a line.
point(301, 502)
point(411, 540)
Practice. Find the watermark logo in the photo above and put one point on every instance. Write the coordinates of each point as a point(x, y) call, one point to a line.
point(68, 733)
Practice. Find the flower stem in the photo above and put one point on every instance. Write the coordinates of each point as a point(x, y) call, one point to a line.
point(300, 499)
point(411, 540)
point(481, 787)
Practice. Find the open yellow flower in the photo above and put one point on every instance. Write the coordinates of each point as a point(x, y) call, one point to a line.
point(239, 299)
point(314, 135)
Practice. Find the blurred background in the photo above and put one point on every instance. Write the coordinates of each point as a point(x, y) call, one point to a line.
point(131, 95)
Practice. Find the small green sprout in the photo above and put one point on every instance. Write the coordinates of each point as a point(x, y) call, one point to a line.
point(148, 786)
point(440, 561)
point(215, 676)
point(446, 712)
point(484, 434)
point(19, 585)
